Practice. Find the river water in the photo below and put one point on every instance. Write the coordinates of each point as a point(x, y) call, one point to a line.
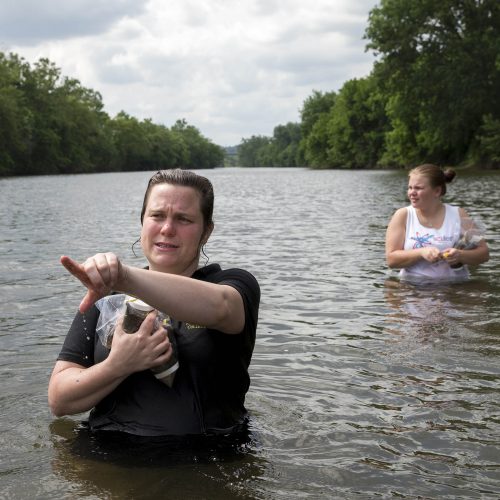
point(362, 387)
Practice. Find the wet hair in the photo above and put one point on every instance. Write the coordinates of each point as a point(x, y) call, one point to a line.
point(179, 177)
point(436, 175)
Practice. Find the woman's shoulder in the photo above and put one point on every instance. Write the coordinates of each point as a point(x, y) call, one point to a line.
point(215, 274)
point(456, 209)
point(401, 214)
point(238, 278)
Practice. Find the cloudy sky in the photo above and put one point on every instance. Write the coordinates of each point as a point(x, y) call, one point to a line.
point(232, 68)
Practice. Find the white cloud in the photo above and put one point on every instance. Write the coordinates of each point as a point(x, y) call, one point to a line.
point(232, 68)
point(26, 22)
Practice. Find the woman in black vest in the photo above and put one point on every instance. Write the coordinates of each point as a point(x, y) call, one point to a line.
point(213, 313)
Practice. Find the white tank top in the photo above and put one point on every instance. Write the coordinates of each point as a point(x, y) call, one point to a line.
point(418, 236)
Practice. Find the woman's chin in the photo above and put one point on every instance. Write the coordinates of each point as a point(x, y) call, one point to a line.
point(162, 265)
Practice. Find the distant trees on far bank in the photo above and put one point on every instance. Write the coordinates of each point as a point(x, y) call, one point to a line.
point(432, 96)
point(50, 124)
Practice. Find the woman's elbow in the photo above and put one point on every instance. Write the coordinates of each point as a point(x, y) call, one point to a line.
point(56, 405)
point(482, 255)
point(391, 261)
point(486, 256)
point(56, 409)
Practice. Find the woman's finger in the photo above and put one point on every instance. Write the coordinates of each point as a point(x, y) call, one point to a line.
point(76, 269)
point(95, 291)
point(95, 269)
point(91, 297)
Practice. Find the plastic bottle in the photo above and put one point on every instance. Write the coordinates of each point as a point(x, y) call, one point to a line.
point(135, 313)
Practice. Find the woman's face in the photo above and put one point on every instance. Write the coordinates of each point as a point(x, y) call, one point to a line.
point(420, 193)
point(172, 229)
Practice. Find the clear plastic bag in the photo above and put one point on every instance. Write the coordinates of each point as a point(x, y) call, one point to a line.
point(113, 307)
point(472, 232)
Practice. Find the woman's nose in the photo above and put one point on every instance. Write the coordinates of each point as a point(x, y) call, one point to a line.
point(168, 227)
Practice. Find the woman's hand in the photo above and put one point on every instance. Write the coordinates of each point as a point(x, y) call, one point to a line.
point(430, 254)
point(144, 349)
point(452, 256)
point(74, 388)
point(99, 274)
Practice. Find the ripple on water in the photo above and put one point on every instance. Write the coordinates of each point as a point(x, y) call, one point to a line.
point(360, 386)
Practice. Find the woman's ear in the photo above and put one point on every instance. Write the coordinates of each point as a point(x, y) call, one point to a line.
point(208, 232)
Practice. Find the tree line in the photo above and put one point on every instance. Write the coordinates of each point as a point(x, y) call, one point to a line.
point(51, 124)
point(433, 95)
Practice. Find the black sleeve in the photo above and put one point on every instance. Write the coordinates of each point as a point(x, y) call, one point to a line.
point(249, 289)
point(79, 344)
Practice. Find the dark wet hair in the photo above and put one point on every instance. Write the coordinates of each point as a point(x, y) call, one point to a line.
point(436, 175)
point(179, 177)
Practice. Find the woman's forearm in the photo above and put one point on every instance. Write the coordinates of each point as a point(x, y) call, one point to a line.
point(398, 259)
point(475, 256)
point(76, 389)
point(186, 299)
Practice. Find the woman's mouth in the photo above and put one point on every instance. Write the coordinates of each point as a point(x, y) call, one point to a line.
point(165, 246)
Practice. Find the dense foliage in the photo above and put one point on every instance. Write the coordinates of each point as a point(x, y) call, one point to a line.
point(433, 94)
point(282, 150)
point(50, 124)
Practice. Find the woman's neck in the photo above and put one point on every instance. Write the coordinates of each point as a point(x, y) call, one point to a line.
point(432, 216)
point(432, 210)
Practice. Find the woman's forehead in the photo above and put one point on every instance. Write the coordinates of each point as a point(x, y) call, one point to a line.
point(418, 179)
point(182, 197)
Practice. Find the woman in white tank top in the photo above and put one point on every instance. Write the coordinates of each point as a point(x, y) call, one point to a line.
point(420, 238)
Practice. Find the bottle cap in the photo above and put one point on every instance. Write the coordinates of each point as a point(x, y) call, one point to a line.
point(138, 304)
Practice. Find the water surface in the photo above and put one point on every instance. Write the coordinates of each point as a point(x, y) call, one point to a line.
point(361, 386)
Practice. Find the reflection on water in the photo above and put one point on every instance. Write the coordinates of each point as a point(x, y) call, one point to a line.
point(362, 386)
point(101, 464)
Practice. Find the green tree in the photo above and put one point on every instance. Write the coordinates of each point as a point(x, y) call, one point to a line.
point(51, 124)
point(317, 104)
point(16, 118)
point(38, 86)
point(439, 67)
point(315, 145)
point(130, 143)
point(251, 152)
point(83, 129)
point(202, 153)
point(356, 126)
point(488, 149)
point(164, 149)
point(284, 146)
point(314, 116)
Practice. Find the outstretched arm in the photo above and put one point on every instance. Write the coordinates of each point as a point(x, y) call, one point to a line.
point(212, 305)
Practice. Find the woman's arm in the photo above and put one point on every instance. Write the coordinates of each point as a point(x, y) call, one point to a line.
point(212, 305)
point(215, 306)
point(75, 389)
point(395, 254)
point(473, 256)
